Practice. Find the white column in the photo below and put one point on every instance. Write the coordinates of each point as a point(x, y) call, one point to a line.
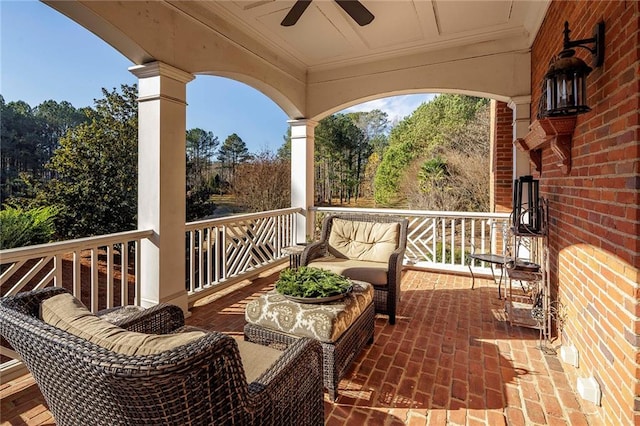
point(521, 106)
point(302, 191)
point(161, 181)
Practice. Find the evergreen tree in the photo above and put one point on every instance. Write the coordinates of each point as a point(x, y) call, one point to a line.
point(284, 152)
point(423, 130)
point(95, 187)
point(232, 153)
point(201, 146)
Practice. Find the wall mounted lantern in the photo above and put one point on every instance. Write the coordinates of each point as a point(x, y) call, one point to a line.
point(564, 96)
point(564, 91)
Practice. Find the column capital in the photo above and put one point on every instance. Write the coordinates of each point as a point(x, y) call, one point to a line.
point(157, 68)
point(515, 101)
point(302, 128)
point(302, 122)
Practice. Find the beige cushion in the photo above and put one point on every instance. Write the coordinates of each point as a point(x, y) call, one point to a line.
point(372, 272)
point(256, 359)
point(69, 314)
point(368, 241)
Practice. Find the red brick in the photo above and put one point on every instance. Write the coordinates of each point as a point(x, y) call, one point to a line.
point(551, 405)
point(440, 397)
point(437, 417)
point(496, 418)
point(375, 396)
point(457, 416)
point(515, 417)
point(459, 390)
point(534, 411)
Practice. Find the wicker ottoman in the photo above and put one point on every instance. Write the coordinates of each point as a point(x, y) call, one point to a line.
point(343, 327)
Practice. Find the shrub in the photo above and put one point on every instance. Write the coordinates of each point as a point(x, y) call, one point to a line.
point(19, 228)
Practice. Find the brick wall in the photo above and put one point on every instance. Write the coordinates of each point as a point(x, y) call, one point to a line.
point(594, 210)
point(502, 159)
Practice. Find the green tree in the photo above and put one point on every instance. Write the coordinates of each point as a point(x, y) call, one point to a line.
point(454, 175)
point(96, 169)
point(201, 146)
point(19, 147)
point(339, 144)
point(232, 153)
point(284, 152)
point(21, 228)
point(56, 120)
point(420, 132)
point(374, 124)
point(29, 136)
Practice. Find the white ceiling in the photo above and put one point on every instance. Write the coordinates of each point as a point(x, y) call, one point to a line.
point(326, 37)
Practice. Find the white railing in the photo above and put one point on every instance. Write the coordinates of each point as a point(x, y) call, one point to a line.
point(441, 240)
point(101, 271)
point(104, 271)
point(226, 250)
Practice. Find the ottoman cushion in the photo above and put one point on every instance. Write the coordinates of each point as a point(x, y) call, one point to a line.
point(325, 322)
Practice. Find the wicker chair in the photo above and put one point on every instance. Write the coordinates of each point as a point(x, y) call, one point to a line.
point(385, 277)
point(200, 383)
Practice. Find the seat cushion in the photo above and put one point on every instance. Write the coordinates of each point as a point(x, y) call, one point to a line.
point(69, 314)
point(256, 359)
point(369, 241)
point(361, 270)
point(322, 321)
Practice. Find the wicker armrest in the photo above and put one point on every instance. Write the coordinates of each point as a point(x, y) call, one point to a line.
point(29, 302)
point(159, 319)
point(395, 260)
point(303, 351)
point(313, 251)
point(297, 372)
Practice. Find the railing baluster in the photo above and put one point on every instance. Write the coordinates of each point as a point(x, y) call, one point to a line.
point(219, 248)
point(110, 275)
point(137, 300)
point(77, 283)
point(434, 239)
point(210, 259)
point(200, 258)
point(463, 241)
point(124, 274)
point(57, 279)
point(94, 280)
point(192, 273)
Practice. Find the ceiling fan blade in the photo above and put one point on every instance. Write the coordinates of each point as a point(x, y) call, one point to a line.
point(357, 11)
point(295, 13)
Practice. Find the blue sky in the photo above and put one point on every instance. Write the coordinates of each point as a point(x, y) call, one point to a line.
point(44, 55)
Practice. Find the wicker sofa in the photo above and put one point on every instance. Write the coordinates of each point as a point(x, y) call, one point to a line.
point(366, 248)
point(201, 382)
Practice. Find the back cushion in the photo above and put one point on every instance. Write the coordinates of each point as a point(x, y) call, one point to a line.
point(368, 241)
point(69, 314)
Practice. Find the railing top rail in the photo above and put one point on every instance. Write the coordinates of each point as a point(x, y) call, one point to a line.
point(14, 254)
point(240, 217)
point(428, 213)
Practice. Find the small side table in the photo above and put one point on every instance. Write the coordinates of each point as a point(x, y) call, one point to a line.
point(491, 259)
point(294, 253)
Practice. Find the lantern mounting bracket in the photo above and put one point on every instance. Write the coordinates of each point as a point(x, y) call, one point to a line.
point(597, 40)
point(553, 132)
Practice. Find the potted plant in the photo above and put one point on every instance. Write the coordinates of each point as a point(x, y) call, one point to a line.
point(311, 285)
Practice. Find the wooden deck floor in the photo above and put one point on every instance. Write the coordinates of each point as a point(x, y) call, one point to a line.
point(451, 358)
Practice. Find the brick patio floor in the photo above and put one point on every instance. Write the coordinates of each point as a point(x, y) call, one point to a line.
point(450, 359)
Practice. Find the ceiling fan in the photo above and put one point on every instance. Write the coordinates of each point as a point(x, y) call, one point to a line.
point(354, 8)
